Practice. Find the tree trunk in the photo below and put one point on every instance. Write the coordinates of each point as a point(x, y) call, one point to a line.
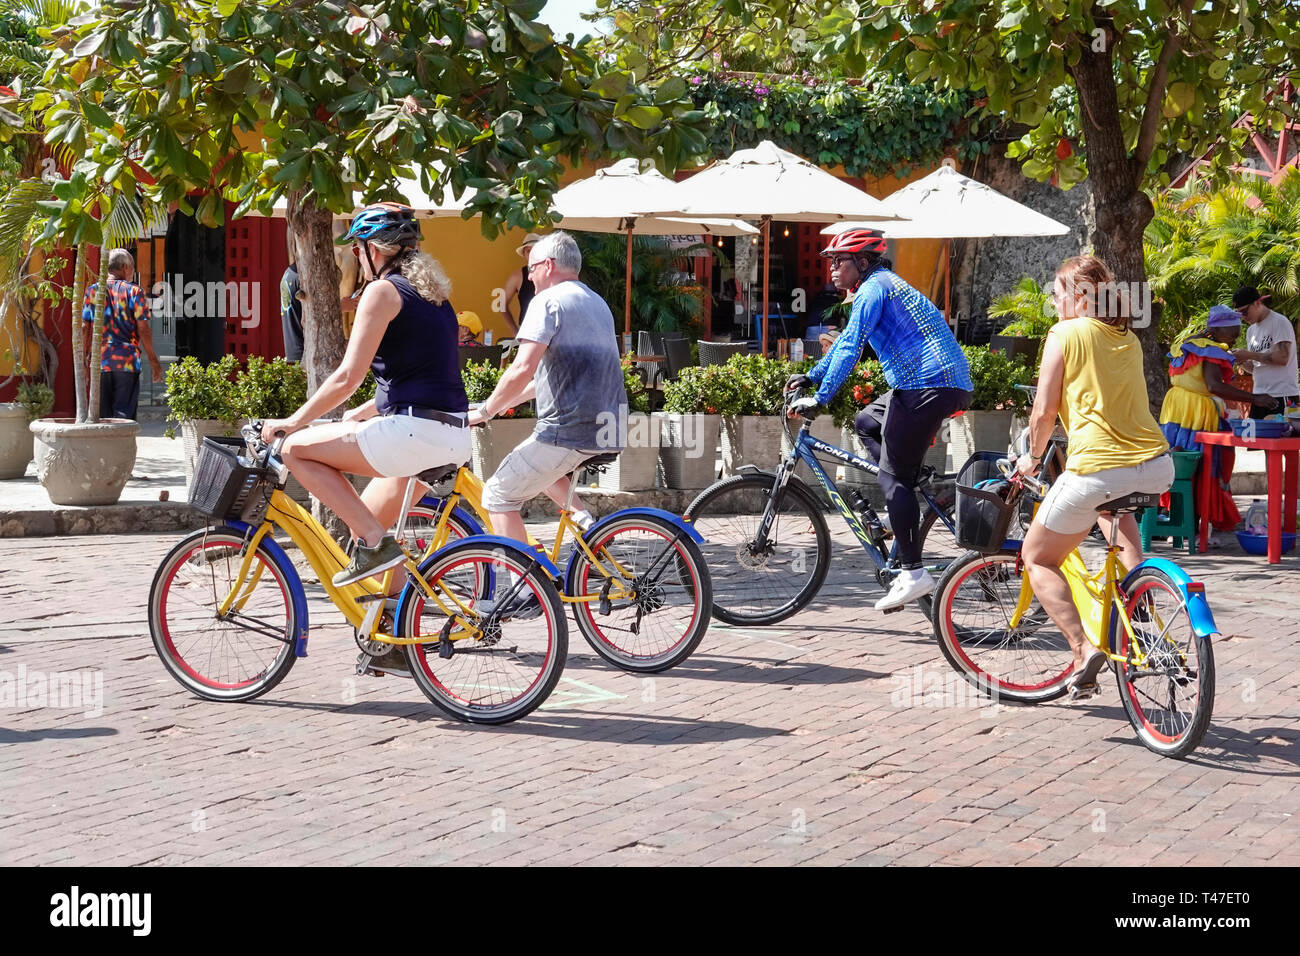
point(96, 335)
point(1123, 209)
point(322, 319)
point(78, 333)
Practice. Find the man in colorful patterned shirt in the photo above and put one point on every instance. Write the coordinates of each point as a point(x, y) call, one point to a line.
point(928, 376)
point(126, 332)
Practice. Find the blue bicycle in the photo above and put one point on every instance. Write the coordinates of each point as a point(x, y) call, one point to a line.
point(767, 542)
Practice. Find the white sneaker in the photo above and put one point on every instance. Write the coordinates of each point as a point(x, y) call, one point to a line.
point(907, 587)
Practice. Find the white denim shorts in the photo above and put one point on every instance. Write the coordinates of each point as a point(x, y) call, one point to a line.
point(398, 446)
point(1070, 506)
point(528, 471)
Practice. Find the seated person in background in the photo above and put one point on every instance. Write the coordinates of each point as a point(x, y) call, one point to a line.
point(1199, 370)
point(469, 327)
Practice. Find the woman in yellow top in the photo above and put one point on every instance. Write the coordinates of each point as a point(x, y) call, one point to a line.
point(1200, 370)
point(1092, 377)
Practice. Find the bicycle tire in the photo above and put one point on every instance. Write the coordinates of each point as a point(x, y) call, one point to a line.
point(741, 582)
point(619, 633)
point(1170, 732)
point(216, 659)
point(479, 689)
point(1025, 665)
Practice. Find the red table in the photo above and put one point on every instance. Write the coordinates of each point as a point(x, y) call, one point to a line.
point(1282, 457)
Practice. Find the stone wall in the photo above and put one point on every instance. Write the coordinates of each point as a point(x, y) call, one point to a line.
point(984, 269)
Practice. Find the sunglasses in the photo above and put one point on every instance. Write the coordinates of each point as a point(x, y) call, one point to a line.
point(837, 261)
point(539, 262)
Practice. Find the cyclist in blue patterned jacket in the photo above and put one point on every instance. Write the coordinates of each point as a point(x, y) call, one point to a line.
point(928, 376)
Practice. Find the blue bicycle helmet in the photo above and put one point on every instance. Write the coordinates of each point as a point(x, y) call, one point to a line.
point(386, 222)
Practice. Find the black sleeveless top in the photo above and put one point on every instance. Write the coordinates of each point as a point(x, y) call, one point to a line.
point(526, 292)
point(418, 360)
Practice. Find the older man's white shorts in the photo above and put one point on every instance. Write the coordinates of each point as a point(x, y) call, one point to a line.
point(1070, 506)
point(398, 446)
point(528, 471)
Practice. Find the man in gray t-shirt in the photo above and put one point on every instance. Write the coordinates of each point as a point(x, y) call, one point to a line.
point(568, 358)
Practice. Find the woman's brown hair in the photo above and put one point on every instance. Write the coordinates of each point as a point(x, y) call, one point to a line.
point(1089, 276)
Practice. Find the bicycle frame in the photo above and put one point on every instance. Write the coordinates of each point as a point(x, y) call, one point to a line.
point(326, 558)
point(469, 488)
point(804, 448)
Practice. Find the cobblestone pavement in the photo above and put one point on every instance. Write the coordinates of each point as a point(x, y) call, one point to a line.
point(838, 737)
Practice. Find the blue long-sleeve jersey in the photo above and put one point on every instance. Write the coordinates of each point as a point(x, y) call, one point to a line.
point(915, 345)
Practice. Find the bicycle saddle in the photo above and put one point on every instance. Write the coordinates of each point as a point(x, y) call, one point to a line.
point(599, 461)
point(1134, 502)
point(434, 476)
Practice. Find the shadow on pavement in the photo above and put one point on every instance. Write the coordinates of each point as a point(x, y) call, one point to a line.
point(755, 670)
point(8, 736)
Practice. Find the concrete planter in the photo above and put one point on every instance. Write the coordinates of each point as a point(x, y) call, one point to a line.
point(750, 440)
point(688, 449)
point(850, 442)
point(84, 464)
point(979, 431)
point(15, 440)
point(495, 440)
point(194, 430)
point(636, 467)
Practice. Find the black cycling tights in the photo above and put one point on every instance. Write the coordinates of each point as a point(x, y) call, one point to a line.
point(898, 429)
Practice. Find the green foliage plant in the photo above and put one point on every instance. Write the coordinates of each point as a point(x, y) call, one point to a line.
point(995, 377)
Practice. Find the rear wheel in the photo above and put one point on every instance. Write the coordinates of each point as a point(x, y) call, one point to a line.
point(234, 657)
point(1167, 680)
point(482, 663)
point(653, 610)
point(765, 584)
point(974, 603)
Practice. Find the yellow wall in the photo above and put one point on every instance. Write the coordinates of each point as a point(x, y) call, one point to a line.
point(478, 266)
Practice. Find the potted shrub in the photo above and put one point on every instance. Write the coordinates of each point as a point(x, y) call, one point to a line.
point(277, 389)
point(204, 400)
point(987, 426)
point(635, 469)
point(34, 400)
point(751, 432)
point(1029, 306)
point(497, 438)
point(690, 425)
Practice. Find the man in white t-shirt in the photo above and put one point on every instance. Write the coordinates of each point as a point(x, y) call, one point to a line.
point(1270, 348)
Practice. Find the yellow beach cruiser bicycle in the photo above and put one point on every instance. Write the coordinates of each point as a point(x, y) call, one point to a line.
point(228, 610)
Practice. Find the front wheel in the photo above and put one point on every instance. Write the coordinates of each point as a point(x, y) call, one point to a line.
point(1166, 681)
point(232, 657)
point(644, 604)
point(755, 584)
point(487, 659)
point(974, 603)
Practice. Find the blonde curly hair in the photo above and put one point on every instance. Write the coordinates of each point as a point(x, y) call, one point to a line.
point(423, 271)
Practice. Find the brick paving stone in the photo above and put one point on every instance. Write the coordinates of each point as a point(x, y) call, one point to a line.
point(773, 746)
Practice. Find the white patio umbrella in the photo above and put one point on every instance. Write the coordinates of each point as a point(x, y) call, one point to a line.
point(767, 183)
point(947, 205)
point(623, 198)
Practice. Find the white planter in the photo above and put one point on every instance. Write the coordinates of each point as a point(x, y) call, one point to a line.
point(688, 449)
point(850, 442)
point(979, 431)
point(637, 465)
point(750, 440)
point(84, 464)
point(15, 440)
point(495, 440)
point(194, 430)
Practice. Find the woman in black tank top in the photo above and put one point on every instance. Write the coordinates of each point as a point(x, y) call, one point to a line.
point(405, 331)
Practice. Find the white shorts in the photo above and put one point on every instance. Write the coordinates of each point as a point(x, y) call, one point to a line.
point(1070, 506)
point(398, 446)
point(528, 471)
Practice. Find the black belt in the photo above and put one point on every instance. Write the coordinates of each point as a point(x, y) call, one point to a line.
point(433, 414)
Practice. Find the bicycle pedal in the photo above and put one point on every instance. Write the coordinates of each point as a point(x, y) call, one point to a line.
point(894, 610)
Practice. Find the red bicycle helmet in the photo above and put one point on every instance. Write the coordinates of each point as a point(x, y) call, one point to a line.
point(856, 242)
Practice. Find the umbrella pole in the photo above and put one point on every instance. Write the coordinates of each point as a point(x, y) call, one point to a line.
point(767, 263)
point(947, 288)
point(627, 296)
